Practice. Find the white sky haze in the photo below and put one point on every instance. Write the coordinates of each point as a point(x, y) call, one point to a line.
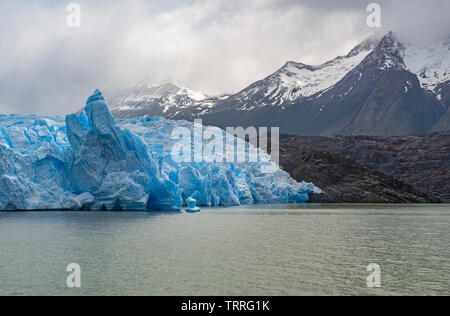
point(213, 46)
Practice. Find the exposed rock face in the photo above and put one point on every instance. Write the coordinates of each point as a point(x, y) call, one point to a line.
point(443, 124)
point(345, 181)
point(422, 161)
point(443, 94)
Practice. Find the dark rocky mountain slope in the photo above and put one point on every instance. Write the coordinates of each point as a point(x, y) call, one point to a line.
point(379, 96)
point(422, 161)
point(381, 87)
point(443, 94)
point(345, 181)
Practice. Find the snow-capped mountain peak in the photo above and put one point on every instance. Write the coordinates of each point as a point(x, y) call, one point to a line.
point(146, 90)
point(366, 45)
point(166, 99)
point(429, 61)
point(296, 81)
point(388, 54)
point(361, 92)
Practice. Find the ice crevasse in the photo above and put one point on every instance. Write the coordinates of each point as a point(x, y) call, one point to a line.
point(90, 161)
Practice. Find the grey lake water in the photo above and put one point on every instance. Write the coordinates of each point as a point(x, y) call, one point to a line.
point(258, 250)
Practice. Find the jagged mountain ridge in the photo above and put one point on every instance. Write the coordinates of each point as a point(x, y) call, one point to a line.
point(382, 87)
point(169, 100)
point(291, 82)
point(297, 81)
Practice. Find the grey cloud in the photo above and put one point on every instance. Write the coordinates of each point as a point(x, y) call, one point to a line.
point(213, 46)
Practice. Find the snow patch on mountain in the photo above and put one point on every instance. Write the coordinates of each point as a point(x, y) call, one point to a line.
point(170, 100)
point(296, 81)
point(299, 80)
point(430, 62)
point(169, 94)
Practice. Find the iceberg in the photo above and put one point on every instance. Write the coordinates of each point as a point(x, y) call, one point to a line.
point(90, 161)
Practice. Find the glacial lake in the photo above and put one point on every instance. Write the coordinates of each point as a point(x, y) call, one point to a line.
point(258, 250)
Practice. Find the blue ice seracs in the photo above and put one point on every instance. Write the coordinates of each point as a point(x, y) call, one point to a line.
point(90, 161)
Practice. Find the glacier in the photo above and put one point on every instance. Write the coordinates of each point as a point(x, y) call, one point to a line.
point(90, 161)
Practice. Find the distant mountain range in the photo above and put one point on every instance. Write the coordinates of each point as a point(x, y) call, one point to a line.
point(382, 87)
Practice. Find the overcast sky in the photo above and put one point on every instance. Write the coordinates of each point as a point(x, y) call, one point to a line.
point(213, 46)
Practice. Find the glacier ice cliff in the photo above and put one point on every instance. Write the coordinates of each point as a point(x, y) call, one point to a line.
point(89, 161)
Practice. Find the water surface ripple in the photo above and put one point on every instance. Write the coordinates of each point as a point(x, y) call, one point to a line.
point(258, 250)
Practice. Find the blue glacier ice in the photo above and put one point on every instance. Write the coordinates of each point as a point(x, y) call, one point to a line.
point(89, 161)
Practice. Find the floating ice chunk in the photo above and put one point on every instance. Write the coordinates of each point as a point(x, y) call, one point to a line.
point(192, 206)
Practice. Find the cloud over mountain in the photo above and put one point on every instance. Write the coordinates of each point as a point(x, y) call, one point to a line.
point(213, 46)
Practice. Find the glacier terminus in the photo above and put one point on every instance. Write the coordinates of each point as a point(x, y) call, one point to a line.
point(90, 161)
